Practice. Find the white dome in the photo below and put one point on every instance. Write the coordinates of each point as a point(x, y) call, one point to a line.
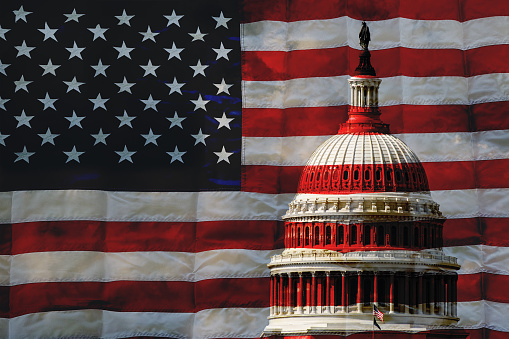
point(362, 149)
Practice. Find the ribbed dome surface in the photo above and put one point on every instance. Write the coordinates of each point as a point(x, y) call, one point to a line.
point(366, 148)
point(363, 162)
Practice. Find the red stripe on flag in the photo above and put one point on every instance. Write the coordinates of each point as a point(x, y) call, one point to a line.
point(303, 121)
point(136, 296)
point(273, 65)
point(144, 236)
point(371, 10)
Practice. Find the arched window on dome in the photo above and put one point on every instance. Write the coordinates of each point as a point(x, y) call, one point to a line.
point(328, 236)
point(405, 236)
point(398, 175)
point(356, 175)
point(378, 174)
point(367, 234)
point(340, 235)
point(380, 235)
point(353, 234)
point(388, 176)
point(345, 174)
point(299, 235)
point(367, 174)
point(317, 235)
point(416, 237)
point(306, 236)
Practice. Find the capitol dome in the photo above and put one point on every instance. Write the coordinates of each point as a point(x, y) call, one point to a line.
point(362, 234)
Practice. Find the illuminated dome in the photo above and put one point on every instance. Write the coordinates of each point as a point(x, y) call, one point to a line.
point(362, 233)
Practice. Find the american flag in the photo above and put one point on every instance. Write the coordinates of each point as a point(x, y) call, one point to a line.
point(377, 313)
point(149, 148)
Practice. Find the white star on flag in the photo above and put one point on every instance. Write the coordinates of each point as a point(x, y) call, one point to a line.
point(98, 32)
point(73, 155)
point(175, 86)
point(176, 155)
point(125, 155)
point(150, 103)
point(24, 50)
point(48, 137)
point(221, 20)
point(222, 52)
point(173, 19)
point(73, 85)
point(150, 138)
point(49, 68)
point(100, 137)
point(98, 102)
point(223, 156)
point(224, 121)
point(149, 35)
point(200, 103)
point(198, 35)
point(48, 102)
point(21, 84)
point(48, 32)
point(124, 18)
point(75, 51)
point(23, 119)
point(174, 52)
point(125, 86)
point(176, 121)
point(125, 120)
point(223, 87)
point(23, 155)
point(75, 120)
point(73, 16)
point(149, 69)
point(21, 14)
point(100, 68)
point(200, 137)
point(199, 68)
point(123, 51)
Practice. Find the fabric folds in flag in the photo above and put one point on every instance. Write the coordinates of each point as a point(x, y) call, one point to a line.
point(149, 149)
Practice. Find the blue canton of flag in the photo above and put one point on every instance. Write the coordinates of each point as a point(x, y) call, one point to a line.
point(120, 95)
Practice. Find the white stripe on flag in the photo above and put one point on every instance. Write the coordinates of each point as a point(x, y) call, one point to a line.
point(429, 147)
point(398, 90)
point(397, 32)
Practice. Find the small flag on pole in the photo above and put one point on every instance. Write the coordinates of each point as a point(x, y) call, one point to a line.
point(378, 314)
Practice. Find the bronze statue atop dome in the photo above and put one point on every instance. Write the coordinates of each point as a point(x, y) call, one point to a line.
point(364, 36)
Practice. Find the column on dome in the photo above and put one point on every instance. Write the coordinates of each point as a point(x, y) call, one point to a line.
point(360, 291)
point(432, 294)
point(375, 288)
point(449, 295)
point(441, 285)
point(300, 289)
point(313, 292)
point(391, 292)
point(332, 289)
point(406, 300)
point(343, 293)
point(290, 293)
point(327, 292)
point(455, 296)
point(271, 308)
point(420, 294)
point(308, 295)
